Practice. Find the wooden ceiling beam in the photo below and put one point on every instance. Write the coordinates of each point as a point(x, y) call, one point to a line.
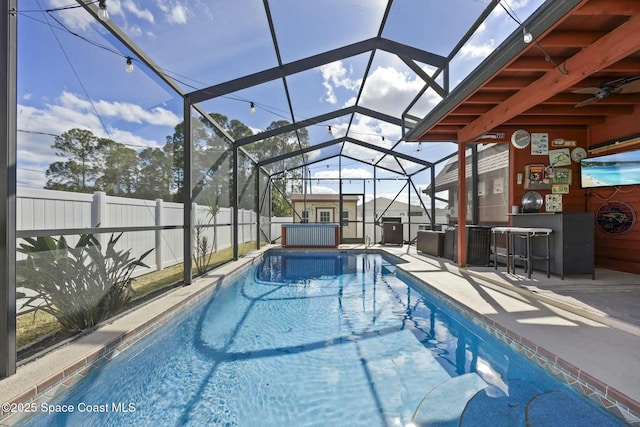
point(596, 109)
point(459, 120)
point(451, 137)
point(451, 129)
point(575, 98)
point(523, 120)
point(493, 97)
point(471, 109)
point(609, 7)
point(508, 83)
point(571, 39)
point(606, 51)
point(532, 63)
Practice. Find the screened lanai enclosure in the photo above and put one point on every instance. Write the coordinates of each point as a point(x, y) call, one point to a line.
point(165, 138)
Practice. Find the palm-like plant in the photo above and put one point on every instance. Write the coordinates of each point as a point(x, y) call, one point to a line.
point(204, 247)
point(79, 285)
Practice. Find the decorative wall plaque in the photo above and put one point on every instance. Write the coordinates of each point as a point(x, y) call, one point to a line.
point(615, 217)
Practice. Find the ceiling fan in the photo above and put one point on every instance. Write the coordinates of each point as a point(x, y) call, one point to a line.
point(623, 85)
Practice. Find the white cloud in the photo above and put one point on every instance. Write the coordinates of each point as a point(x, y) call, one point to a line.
point(122, 110)
point(175, 12)
point(471, 50)
point(321, 189)
point(144, 14)
point(37, 128)
point(390, 90)
point(347, 173)
point(335, 75)
point(55, 120)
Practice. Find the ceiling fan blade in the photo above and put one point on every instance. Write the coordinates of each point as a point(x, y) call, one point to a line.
point(632, 86)
point(587, 102)
point(587, 90)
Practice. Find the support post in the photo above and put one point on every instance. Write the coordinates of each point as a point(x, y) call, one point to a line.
point(99, 215)
point(234, 202)
point(475, 211)
point(432, 194)
point(187, 194)
point(375, 212)
point(8, 33)
point(158, 234)
point(462, 206)
point(256, 204)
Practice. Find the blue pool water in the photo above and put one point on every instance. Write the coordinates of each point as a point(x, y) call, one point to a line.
point(320, 340)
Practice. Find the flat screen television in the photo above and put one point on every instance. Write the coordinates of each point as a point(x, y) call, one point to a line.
point(610, 170)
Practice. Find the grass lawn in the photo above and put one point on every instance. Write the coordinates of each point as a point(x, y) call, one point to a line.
point(33, 326)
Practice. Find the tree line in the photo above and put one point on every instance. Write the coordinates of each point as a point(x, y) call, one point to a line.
point(93, 164)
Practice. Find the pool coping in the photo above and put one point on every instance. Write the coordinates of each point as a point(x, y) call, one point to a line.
point(94, 349)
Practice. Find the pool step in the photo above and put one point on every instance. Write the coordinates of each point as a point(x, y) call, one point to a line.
point(444, 405)
point(400, 380)
point(562, 408)
point(499, 410)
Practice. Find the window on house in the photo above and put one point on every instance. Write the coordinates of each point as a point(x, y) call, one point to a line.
point(305, 216)
point(325, 216)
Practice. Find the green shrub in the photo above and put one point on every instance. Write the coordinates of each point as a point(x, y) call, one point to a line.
point(79, 285)
point(204, 247)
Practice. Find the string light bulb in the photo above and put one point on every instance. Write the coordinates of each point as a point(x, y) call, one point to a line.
point(526, 36)
point(129, 67)
point(252, 108)
point(102, 10)
point(330, 131)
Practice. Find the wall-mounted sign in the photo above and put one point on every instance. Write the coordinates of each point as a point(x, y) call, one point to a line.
point(562, 176)
point(559, 157)
point(615, 217)
point(553, 202)
point(539, 144)
point(560, 142)
point(536, 177)
point(560, 188)
point(520, 138)
point(578, 154)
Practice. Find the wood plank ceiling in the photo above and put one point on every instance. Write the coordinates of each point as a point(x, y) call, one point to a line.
point(578, 73)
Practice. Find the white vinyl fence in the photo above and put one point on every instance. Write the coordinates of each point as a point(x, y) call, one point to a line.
point(56, 211)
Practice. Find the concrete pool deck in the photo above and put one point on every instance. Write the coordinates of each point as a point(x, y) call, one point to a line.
point(589, 330)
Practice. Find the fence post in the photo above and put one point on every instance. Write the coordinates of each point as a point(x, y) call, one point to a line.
point(241, 216)
point(194, 224)
point(99, 214)
point(158, 242)
point(215, 231)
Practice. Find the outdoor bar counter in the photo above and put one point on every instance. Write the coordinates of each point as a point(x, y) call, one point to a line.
point(571, 240)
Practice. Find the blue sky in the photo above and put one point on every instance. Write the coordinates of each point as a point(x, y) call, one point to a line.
point(70, 80)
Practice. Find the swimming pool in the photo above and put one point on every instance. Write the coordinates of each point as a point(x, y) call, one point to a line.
point(319, 338)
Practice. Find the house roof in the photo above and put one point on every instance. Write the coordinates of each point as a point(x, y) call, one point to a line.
point(583, 50)
point(491, 159)
point(386, 203)
point(322, 198)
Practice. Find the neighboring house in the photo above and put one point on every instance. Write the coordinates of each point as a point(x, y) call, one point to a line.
point(387, 208)
point(325, 208)
point(493, 181)
point(391, 208)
